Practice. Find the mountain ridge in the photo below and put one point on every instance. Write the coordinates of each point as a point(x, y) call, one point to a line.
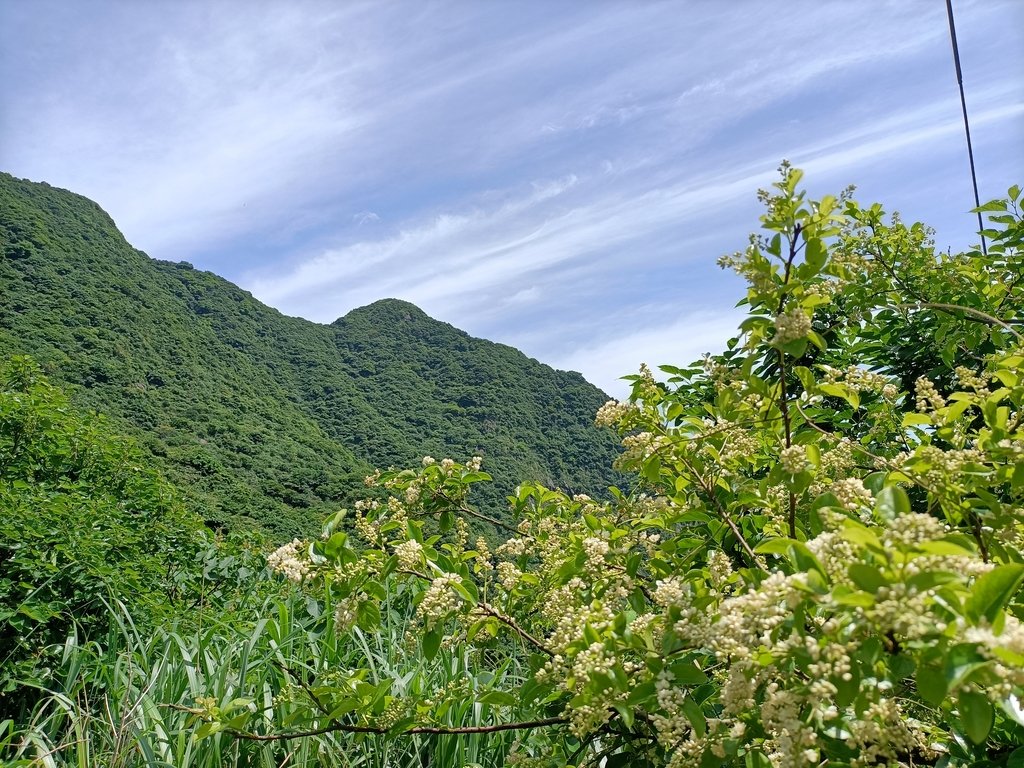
point(261, 417)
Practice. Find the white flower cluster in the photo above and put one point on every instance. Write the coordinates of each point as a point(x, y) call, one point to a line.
point(968, 378)
point(412, 493)
point(741, 682)
point(439, 600)
point(834, 553)
point(904, 611)
point(928, 397)
point(719, 568)
point(345, 614)
point(912, 529)
point(794, 459)
point(824, 289)
point(368, 529)
point(883, 733)
point(740, 443)
point(794, 324)
point(745, 621)
point(571, 618)
point(514, 547)
point(836, 462)
point(641, 445)
point(859, 379)
point(596, 550)
point(742, 263)
point(1009, 641)
point(671, 724)
point(508, 576)
point(483, 551)
point(396, 709)
point(409, 554)
point(286, 560)
point(672, 591)
point(945, 467)
point(851, 494)
point(586, 717)
point(718, 372)
point(649, 541)
point(795, 742)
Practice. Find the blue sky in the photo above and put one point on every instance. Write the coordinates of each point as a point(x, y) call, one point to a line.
point(558, 176)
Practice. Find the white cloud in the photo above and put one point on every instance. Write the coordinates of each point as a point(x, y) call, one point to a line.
point(678, 342)
point(503, 169)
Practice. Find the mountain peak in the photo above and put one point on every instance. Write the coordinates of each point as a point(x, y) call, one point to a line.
point(390, 309)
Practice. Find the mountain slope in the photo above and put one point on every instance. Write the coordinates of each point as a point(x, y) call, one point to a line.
point(265, 418)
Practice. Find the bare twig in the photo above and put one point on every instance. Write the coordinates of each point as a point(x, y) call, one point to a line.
point(511, 623)
point(349, 728)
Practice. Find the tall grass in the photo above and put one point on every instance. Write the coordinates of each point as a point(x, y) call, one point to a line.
point(118, 702)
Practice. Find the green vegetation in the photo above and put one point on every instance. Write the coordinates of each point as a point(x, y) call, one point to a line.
point(819, 566)
point(80, 522)
point(819, 561)
point(130, 699)
point(86, 524)
point(263, 419)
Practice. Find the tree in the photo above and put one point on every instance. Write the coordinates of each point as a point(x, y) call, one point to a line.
point(821, 561)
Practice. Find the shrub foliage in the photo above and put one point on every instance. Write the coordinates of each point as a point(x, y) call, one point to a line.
point(821, 561)
point(83, 522)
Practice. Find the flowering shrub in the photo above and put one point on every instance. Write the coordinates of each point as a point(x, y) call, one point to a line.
point(820, 564)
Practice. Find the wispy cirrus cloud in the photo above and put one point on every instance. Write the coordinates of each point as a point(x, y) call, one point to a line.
point(532, 172)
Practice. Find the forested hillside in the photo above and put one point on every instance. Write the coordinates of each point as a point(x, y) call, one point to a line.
point(265, 419)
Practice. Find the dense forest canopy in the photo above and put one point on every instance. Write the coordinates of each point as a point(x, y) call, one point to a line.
point(263, 419)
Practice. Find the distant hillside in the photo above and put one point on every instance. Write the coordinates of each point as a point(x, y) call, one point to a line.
point(262, 418)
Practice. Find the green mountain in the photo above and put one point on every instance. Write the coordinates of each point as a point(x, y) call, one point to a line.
point(267, 419)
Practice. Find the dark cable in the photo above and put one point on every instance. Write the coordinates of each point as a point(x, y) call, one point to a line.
point(967, 125)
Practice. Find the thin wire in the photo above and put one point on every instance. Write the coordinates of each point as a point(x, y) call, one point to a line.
point(967, 125)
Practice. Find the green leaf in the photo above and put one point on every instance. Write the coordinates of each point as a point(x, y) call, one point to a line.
point(446, 521)
point(498, 699)
point(687, 673)
point(841, 391)
point(466, 590)
point(819, 341)
point(815, 254)
point(976, 714)
point(652, 469)
point(368, 615)
point(207, 729)
point(931, 684)
point(916, 419)
point(431, 643)
point(892, 502)
point(993, 590)
point(867, 577)
point(806, 377)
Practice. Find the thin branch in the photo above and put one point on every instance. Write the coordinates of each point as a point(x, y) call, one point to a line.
point(347, 728)
point(788, 425)
point(511, 623)
point(951, 308)
point(480, 515)
point(783, 393)
point(722, 511)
